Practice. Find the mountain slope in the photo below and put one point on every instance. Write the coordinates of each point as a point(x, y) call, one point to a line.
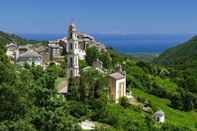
point(6, 38)
point(183, 54)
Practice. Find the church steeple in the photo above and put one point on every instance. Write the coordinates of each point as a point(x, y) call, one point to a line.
point(73, 47)
point(72, 31)
point(72, 27)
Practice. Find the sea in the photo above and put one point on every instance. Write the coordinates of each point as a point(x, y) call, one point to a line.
point(128, 44)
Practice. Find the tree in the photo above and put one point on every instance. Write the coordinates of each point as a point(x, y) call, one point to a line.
point(3, 57)
point(54, 70)
point(92, 84)
point(91, 55)
point(187, 101)
point(14, 95)
point(20, 125)
point(10, 108)
point(7, 73)
point(176, 101)
point(124, 102)
point(55, 120)
point(184, 101)
point(78, 109)
point(37, 72)
point(73, 89)
point(106, 59)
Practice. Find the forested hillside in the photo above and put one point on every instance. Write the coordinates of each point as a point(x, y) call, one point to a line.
point(6, 38)
point(183, 54)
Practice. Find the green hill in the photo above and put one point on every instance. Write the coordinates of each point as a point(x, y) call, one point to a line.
point(6, 38)
point(183, 54)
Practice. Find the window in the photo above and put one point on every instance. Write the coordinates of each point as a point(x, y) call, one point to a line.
point(71, 61)
point(71, 46)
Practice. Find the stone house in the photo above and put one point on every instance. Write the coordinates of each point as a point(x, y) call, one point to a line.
point(30, 57)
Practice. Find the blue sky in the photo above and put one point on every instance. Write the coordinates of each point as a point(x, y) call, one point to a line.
point(99, 16)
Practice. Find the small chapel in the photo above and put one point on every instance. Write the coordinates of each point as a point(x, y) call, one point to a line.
point(117, 84)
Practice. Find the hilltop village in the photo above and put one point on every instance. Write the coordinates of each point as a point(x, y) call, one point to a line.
point(55, 51)
point(73, 47)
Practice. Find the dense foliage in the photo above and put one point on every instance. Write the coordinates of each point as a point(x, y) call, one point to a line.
point(93, 54)
point(181, 61)
point(29, 100)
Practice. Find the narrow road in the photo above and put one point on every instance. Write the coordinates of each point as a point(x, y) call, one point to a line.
point(63, 87)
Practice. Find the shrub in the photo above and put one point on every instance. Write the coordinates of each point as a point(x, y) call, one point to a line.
point(124, 102)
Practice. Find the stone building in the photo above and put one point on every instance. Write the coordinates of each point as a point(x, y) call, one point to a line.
point(21, 54)
point(11, 50)
point(55, 51)
point(117, 84)
point(88, 41)
point(159, 116)
point(30, 57)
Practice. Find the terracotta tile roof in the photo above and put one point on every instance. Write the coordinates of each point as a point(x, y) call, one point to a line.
point(116, 76)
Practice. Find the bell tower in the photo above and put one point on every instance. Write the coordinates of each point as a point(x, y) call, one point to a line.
point(73, 48)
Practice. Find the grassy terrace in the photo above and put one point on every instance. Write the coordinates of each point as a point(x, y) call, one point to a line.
point(175, 117)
